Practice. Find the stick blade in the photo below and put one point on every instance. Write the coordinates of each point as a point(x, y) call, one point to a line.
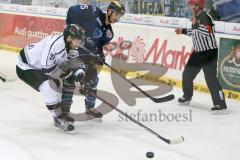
point(177, 140)
point(163, 99)
point(8, 79)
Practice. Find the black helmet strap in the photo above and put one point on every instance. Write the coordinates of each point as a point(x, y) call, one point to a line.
point(67, 46)
point(110, 15)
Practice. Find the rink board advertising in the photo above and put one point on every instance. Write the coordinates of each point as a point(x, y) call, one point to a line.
point(229, 64)
point(23, 30)
point(140, 44)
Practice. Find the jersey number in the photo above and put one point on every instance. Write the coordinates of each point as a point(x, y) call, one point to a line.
point(83, 6)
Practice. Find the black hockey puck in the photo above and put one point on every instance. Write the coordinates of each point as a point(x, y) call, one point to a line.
point(149, 154)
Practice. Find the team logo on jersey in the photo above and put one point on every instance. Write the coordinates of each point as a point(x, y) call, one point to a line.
point(52, 56)
point(229, 67)
point(97, 33)
point(109, 34)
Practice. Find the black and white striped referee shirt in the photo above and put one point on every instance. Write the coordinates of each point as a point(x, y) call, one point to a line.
point(202, 33)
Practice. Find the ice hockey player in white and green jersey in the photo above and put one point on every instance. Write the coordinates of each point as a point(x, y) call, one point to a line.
point(42, 65)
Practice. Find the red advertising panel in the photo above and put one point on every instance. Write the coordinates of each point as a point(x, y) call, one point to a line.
point(20, 30)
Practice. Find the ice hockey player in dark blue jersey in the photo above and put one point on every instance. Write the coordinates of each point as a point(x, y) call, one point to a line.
point(99, 32)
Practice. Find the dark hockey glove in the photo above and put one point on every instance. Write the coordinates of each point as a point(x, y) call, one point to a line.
point(73, 61)
point(85, 89)
point(101, 58)
point(70, 65)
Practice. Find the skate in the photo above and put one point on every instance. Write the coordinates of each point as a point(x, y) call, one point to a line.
point(184, 101)
point(219, 110)
point(64, 122)
point(94, 115)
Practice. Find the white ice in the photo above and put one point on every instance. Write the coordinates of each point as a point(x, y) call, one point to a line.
point(27, 131)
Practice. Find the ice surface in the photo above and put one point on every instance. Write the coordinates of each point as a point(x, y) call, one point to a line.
point(27, 131)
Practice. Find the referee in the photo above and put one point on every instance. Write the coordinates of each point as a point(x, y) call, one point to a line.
point(204, 56)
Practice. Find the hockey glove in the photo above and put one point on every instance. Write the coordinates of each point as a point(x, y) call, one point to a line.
point(85, 89)
point(101, 58)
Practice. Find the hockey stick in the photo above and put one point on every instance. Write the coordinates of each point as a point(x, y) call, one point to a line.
point(3, 79)
point(169, 141)
point(6, 79)
point(156, 100)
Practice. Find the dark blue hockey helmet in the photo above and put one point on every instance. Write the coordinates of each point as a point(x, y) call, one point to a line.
point(116, 6)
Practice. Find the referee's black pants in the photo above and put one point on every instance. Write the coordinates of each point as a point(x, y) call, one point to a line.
point(207, 61)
